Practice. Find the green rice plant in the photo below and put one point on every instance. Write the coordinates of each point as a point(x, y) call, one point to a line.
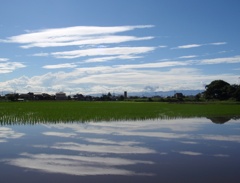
point(74, 111)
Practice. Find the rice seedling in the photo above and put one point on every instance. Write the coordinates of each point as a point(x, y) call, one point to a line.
point(72, 111)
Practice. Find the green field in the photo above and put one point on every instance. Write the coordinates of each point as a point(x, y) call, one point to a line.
point(73, 111)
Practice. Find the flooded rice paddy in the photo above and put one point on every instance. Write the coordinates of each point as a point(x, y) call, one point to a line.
point(179, 150)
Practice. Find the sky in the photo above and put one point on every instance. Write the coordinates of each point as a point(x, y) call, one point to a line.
point(93, 46)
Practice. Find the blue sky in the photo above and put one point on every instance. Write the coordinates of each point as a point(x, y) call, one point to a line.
point(103, 46)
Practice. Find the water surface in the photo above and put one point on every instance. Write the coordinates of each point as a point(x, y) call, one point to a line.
point(180, 150)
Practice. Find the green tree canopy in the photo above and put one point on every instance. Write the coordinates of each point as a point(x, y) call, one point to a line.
point(218, 89)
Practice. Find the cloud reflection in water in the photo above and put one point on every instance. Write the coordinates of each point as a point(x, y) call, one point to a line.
point(8, 133)
point(113, 148)
point(103, 148)
point(76, 165)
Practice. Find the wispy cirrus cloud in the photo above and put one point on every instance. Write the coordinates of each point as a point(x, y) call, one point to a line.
point(3, 59)
point(153, 65)
point(60, 66)
point(234, 59)
point(120, 67)
point(124, 51)
point(41, 54)
point(7, 67)
point(218, 43)
point(188, 56)
point(162, 46)
point(76, 36)
point(105, 59)
point(188, 46)
point(198, 45)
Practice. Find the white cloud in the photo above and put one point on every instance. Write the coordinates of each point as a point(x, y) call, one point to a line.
point(41, 54)
point(188, 56)
point(162, 46)
point(60, 66)
point(235, 59)
point(90, 41)
point(105, 59)
point(127, 75)
point(133, 78)
point(8, 67)
point(218, 43)
point(188, 46)
point(163, 75)
point(3, 59)
point(95, 44)
point(73, 36)
point(153, 65)
point(198, 45)
point(126, 51)
point(136, 79)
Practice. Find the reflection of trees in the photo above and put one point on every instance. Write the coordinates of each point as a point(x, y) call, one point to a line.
point(219, 120)
point(236, 117)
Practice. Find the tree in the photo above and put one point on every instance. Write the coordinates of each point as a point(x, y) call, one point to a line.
point(218, 89)
point(107, 97)
point(198, 96)
point(236, 92)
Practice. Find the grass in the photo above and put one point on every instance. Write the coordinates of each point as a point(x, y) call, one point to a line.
point(72, 111)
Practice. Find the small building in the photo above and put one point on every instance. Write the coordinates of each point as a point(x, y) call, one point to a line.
point(24, 96)
point(61, 96)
